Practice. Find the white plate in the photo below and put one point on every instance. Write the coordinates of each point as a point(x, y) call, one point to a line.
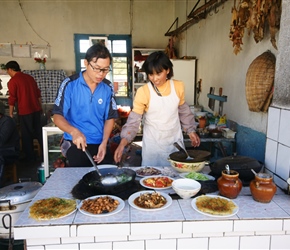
point(193, 204)
point(117, 210)
point(140, 175)
point(155, 176)
point(135, 195)
point(210, 178)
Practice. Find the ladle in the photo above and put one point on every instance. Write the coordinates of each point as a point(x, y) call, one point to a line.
point(107, 180)
point(182, 150)
point(254, 172)
point(228, 169)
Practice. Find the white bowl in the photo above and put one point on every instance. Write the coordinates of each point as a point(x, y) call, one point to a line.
point(186, 188)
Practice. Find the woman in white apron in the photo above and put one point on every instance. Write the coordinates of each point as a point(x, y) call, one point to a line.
point(165, 113)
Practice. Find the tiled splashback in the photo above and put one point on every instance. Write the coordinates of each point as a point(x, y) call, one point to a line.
point(277, 155)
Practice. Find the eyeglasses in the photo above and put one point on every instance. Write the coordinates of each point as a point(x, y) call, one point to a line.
point(98, 70)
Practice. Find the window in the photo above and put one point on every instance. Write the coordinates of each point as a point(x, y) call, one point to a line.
point(120, 49)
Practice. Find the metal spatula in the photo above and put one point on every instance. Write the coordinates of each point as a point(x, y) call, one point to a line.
point(107, 180)
point(182, 150)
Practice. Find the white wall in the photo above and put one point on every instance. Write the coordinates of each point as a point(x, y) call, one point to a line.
point(218, 66)
point(55, 22)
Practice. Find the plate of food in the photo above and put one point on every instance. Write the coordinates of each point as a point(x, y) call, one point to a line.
point(52, 208)
point(101, 205)
point(197, 176)
point(157, 182)
point(147, 171)
point(150, 200)
point(214, 206)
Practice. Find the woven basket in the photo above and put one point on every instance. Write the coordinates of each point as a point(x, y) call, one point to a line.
point(260, 81)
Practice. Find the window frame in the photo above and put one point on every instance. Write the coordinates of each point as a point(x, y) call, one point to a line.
point(81, 55)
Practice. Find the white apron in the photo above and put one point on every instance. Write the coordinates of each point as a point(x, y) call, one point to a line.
point(161, 128)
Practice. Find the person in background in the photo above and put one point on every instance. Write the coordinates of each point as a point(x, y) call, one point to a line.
point(24, 92)
point(9, 141)
point(165, 113)
point(85, 109)
point(1, 87)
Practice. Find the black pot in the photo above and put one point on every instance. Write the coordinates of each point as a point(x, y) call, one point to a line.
point(90, 183)
point(241, 164)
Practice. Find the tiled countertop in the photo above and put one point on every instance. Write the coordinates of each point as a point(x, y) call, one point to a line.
point(64, 179)
point(180, 219)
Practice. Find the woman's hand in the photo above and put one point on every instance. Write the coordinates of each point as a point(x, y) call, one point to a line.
point(195, 140)
point(119, 150)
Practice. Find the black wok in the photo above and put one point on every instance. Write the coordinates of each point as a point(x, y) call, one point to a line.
point(197, 155)
point(90, 183)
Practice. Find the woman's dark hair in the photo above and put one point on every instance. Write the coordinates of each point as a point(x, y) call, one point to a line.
point(98, 51)
point(157, 62)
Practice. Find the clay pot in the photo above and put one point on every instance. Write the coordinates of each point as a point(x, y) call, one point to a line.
point(229, 185)
point(263, 188)
point(202, 122)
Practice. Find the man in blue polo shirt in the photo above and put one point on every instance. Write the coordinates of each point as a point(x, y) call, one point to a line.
point(85, 109)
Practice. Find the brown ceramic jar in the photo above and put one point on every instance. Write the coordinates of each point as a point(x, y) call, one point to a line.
point(229, 185)
point(263, 188)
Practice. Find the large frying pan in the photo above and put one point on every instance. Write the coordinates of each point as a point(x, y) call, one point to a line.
point(197, 155)
point(90, 183)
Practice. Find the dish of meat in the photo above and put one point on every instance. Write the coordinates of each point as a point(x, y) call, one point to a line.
point(149, 200)
point(147, 171)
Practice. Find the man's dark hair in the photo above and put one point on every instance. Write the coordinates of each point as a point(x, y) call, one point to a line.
point(12, 65)
point(98, 51)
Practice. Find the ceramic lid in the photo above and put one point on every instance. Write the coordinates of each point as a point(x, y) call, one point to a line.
point(19, 192)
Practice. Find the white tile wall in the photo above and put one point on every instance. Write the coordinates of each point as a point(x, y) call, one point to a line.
point(152, 228)
point(63, 246)
point(258, 225)
point(35, 248)
point(103, 246)
point(194, 243)
point(284, 135)
point(207, 226)
point(280, 242)
point(271, 154)
point(129, 245)
point(224, 243)
point(103, 230)
point(283, 161)
point(161, 244)
point(273, 125)
point(254, 242)
point(277, 154)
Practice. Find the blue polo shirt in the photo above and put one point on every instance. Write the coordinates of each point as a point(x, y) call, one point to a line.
point(85, 110)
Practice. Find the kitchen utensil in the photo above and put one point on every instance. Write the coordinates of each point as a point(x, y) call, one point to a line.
point(254, 172)
point(197, 155)
point(229, 184)
point(13, 200)
point(211, 101)
point(186, 188)
point(91, 185)
point(107, 180)
point(182, 150)
point(187, 166)
point(241, 164)
point(263, 188)
point(228, 169)
point(215, 133)
point(221, 102)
